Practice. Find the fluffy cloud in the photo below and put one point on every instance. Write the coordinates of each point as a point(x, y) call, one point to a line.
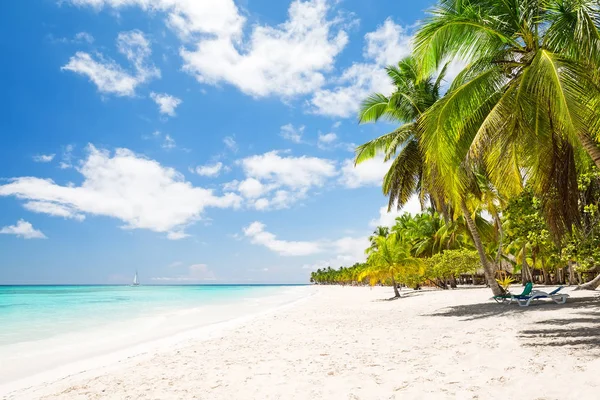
point(188, 18)
point(341, 251)
point(23, 229)
point(413, 206)
point(44, 158)
point(291, 133)
point(257, 234)
point(136, 190)
point(84, 37)
point(276, 181)
point(210, 170)
point(386, 45)
point(284, 60)
point(367, 173)
point(107, 75)
point(166, 103)
point(327, 138)
point(194, 273)
point(57, 210)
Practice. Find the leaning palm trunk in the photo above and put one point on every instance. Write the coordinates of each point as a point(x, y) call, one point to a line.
point(487, 268)
point(591, 285)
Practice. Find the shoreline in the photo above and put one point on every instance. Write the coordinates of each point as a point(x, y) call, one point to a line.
point(111, 359)
point(347, 342)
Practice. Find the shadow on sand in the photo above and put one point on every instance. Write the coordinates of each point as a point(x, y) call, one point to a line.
point(492, 309)
point(582, 331)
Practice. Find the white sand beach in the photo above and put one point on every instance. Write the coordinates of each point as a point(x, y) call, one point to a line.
point(345, 343)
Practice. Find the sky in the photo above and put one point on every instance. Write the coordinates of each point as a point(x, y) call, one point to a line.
point(194, 141)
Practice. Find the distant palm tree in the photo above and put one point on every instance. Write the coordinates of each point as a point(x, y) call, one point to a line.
point(391, 258)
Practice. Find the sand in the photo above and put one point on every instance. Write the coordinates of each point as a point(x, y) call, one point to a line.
point(345, 343)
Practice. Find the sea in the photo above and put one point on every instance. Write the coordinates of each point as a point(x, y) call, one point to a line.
point(43, 328)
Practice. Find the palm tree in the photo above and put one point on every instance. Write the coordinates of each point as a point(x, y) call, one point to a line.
point(391, 258)
point(410, 99)
point(409, 172)
point(527, 102)
point(380, 231)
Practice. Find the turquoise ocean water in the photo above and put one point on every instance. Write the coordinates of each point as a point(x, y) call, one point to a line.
point(31, 313)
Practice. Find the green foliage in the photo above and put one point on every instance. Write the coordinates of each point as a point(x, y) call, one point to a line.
point(452, 263)
point(516, 135)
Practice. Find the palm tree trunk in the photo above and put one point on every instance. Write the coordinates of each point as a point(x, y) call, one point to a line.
point(591, 285)
point(591, 148)
point(572, 278)
point(525, 273)
point(487, 268)
point(396, 292)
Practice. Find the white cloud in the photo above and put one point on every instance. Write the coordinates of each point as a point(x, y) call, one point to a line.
point(287, 59)
point(44, 158)
point(23, 229)
point(166, 103)
point(230, 143)
point(367, 173)
point(54, 209)
point(293, 134)
point(81, 37)
point(345, 250)
point(67, 157)
point(384, 46)
point(169, 142)
point(279, 180)
point(388, 44)
point(195, 273)
point(177, 235)
point(210, 170)
point(107, 75)
point(327, 138)
point(188, 18)
point(136, 190)
point(290, 171)
point(257, 234)
point(413, 206)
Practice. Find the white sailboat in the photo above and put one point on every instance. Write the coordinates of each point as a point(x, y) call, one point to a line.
point(135, 280)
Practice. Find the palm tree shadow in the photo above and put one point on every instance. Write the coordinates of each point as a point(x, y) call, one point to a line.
point(584, 334)
point(402, 296)
point(490, 309)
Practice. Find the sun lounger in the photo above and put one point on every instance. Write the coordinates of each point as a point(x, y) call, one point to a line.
point(508, 297)
point(558, 298)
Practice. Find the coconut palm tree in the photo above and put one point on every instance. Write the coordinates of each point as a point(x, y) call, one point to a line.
point(409, 100)
point(527, 102)
point(391, 258)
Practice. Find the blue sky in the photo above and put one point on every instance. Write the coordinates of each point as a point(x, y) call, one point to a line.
point(196, 141)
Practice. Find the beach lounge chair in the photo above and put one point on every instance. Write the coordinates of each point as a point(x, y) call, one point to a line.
point(558, 298)
point(508, 297)
point(525, 301)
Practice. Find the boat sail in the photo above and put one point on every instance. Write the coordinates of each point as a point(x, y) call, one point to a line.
point(135, 280)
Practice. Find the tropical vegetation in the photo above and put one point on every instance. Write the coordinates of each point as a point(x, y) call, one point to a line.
point(504, 158)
